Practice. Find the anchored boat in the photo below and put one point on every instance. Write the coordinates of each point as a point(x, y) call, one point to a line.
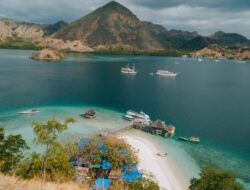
point(128, 70)
point(166, 73)
point(29, 112)
point(191, 139)
point(136, 117)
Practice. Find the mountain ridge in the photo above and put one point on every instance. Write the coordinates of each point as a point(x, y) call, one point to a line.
point(115, 26)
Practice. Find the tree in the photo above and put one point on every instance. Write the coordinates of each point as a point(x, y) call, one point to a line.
point(144, 184)
point(47, 135)
point(214, 179)
point(119, 152)
point(58, 166)
point(11, 151)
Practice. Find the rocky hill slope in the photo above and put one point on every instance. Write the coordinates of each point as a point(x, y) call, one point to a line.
point(114, 24)
point(15, 34)
point(109, 28)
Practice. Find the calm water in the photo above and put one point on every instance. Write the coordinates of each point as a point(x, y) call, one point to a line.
point(207, 99)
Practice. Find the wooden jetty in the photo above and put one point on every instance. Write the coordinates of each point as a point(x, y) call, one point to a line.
point(117, 130)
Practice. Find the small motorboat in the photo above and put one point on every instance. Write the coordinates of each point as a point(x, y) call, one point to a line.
point(128, 70)
point(191, 139)
point(29, 112)
point(194, 139)
point(166, 73)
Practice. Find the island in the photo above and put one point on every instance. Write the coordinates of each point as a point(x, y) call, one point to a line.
point(48, 54)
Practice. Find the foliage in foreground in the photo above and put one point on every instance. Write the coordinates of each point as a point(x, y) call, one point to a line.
point(117, 151)
point(54, 163)
point(11, 151)
point(214, 179)
point(144, 184)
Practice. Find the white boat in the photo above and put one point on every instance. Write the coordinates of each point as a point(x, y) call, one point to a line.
point(166, 73)
point(141, 117)
point(200, 59)
point(128, 70)
point(29, 112)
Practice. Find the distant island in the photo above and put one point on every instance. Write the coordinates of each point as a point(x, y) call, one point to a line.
point(47, 54)
point(114, 29)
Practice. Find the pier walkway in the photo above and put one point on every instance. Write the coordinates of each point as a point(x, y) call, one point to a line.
point(117, 130)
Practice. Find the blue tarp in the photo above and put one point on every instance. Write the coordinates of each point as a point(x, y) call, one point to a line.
point(103, 148)
point(106, 165)
point(101, 183)
point(131, 175)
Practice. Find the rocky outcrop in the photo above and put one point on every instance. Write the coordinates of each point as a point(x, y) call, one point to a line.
point(213, 51)
point(13, 31)
point(47, 54)
point(243, 54)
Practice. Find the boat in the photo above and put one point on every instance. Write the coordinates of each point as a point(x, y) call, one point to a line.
point(128, 70)
point(200, 59)
point(183, 138)
point(191, 139)
point(194, 139)
point(166, 73)
point(151, 74)
point(29, 112)
point(128, 117)
point(140, 117)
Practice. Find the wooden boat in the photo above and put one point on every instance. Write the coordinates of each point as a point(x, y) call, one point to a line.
point(191, 139)
point(29, 112)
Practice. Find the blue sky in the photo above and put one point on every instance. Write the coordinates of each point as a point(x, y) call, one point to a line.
point(204, 16)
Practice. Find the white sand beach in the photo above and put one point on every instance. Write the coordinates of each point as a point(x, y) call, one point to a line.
point(161, 167)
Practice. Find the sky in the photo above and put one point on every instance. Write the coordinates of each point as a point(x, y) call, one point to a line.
point(204, 16)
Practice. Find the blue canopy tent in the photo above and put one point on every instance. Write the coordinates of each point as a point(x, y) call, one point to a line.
point(102, 183)
point(106, 165)
point(103, 148)
point(131, 175)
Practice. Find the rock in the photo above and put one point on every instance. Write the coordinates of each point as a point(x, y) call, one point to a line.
point(47, 54)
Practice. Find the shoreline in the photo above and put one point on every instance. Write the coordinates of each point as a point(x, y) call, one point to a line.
point(164, 169)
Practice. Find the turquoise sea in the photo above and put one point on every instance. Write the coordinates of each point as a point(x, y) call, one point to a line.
point(208, 99)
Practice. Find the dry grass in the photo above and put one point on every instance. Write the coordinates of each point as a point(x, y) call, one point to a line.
point(13, 183)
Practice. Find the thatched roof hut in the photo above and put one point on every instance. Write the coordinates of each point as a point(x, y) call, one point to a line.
point(158, 124)
point(89, 114)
